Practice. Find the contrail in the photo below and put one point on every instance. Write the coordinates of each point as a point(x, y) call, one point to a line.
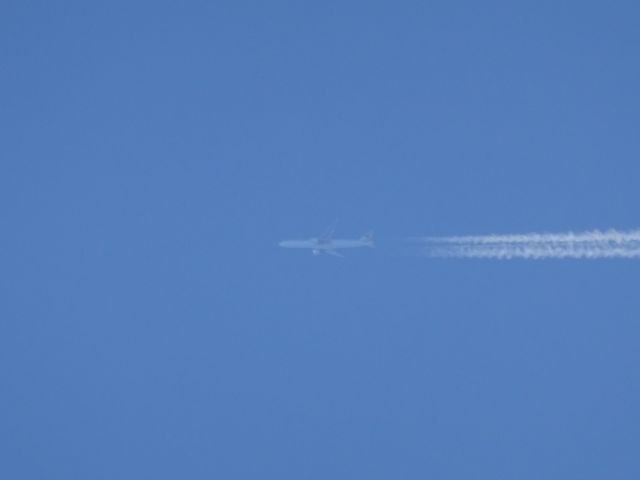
point(594, 244)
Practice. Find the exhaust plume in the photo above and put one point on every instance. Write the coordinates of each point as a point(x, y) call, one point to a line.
point(594, 244)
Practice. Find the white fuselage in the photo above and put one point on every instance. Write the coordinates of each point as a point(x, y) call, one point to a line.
point(316, 244)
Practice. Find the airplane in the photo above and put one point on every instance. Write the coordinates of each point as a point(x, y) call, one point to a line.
point(329, 245)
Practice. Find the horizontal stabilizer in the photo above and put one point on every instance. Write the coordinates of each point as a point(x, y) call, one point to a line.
point(368, 239)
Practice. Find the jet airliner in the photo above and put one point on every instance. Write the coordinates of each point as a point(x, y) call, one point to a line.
point(329, 245)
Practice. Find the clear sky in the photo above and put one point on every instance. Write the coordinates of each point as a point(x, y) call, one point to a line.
point(152, 156)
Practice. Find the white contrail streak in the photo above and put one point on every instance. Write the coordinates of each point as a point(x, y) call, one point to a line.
point(595, 244)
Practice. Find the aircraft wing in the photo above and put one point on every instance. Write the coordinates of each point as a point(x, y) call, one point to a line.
point(327, 236)
point(334, 253)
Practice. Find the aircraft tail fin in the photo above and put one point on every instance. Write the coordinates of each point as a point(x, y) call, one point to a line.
point(368, 239)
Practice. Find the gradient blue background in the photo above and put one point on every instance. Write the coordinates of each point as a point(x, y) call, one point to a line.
point(152, 154)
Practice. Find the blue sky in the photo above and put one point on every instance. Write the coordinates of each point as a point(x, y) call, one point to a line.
point(154, 153)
